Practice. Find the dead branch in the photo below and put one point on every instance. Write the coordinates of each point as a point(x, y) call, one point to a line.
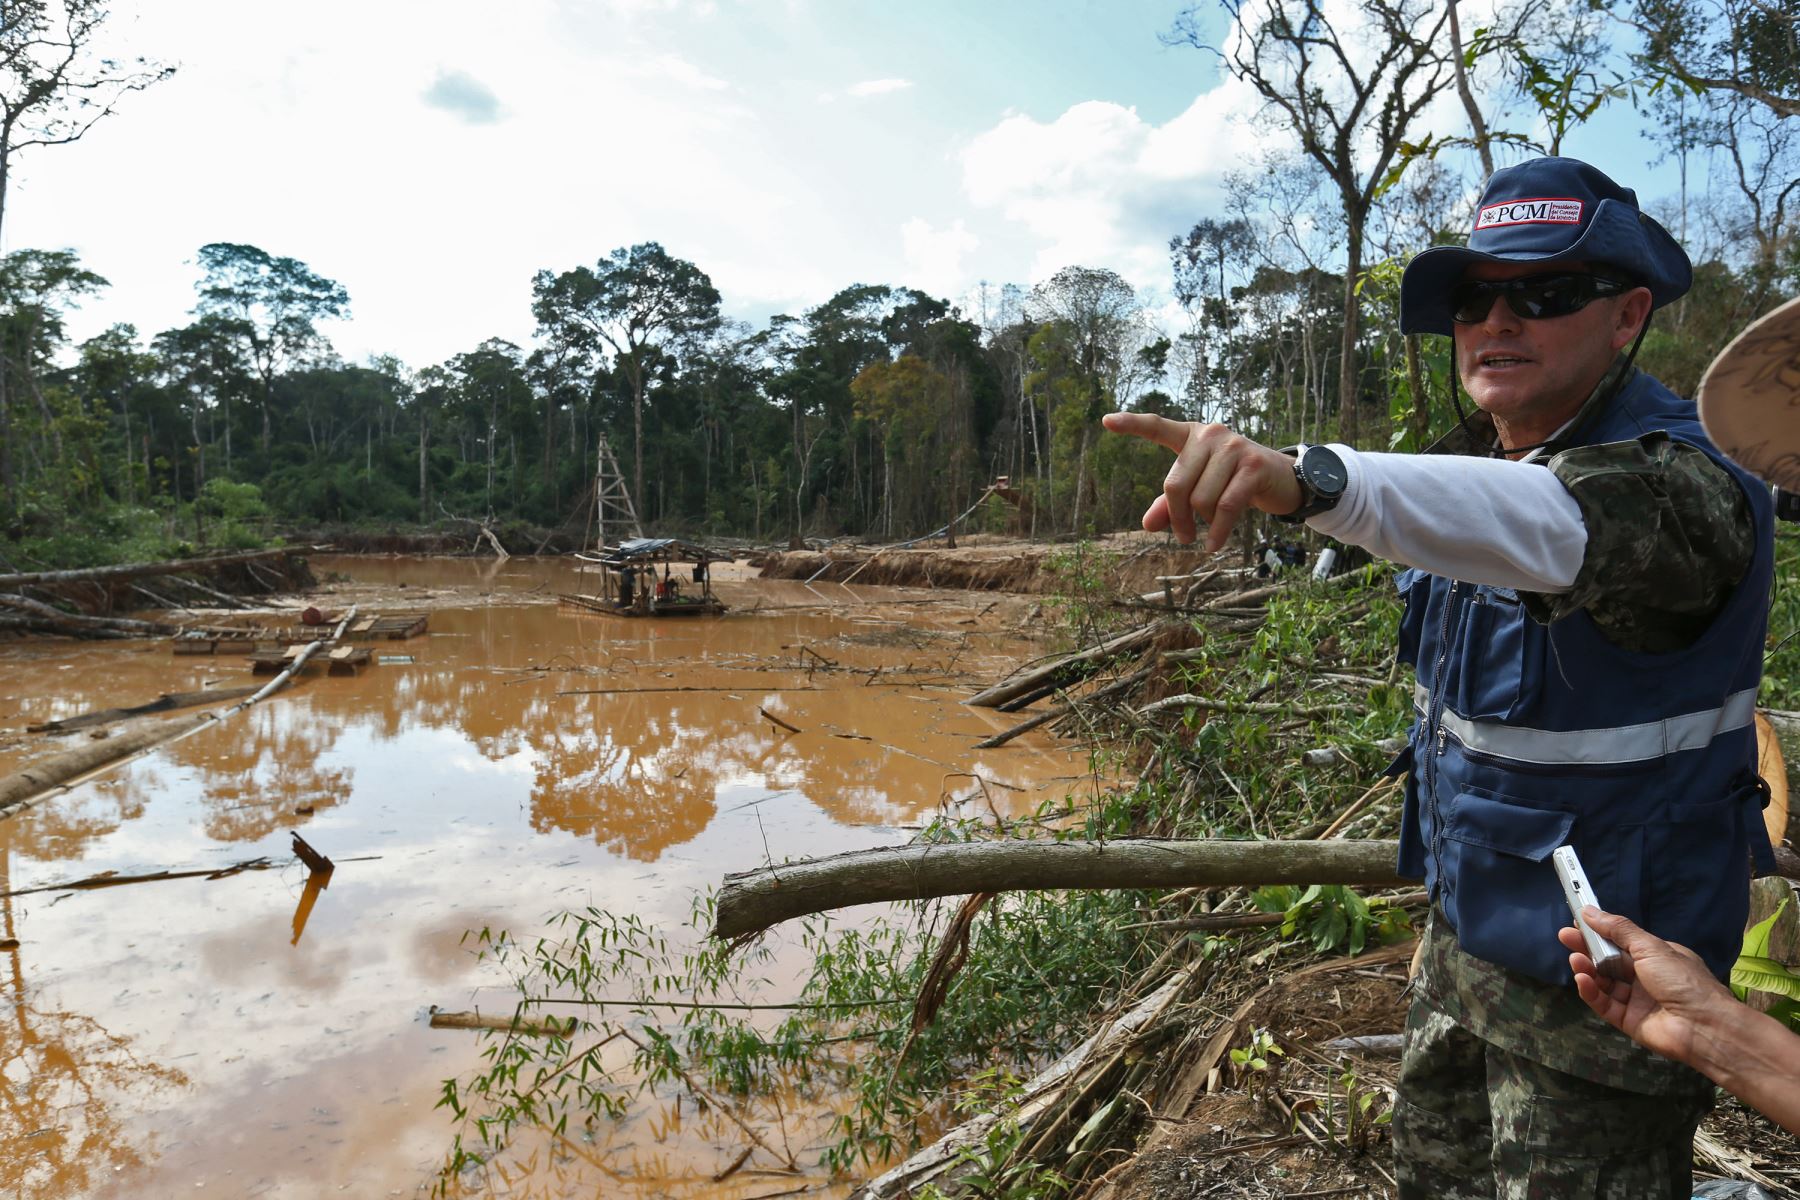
point(1254, 920)
point(531, 1026)
point(1026, 726)
point(108, 879)
point(1042, 1096)
point(1020, 684)
point(730, 1112)
point(1356, 806)
point(218, 596)
point(775, 720)
point(315, 862)
point(751, 901)
point(1187, 700)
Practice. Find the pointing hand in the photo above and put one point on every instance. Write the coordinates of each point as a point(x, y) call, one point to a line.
point(1217, 475)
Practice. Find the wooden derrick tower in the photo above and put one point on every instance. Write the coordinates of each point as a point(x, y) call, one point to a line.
point(613, 509)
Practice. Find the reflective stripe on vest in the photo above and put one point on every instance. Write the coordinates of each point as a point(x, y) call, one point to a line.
point(1596, 747)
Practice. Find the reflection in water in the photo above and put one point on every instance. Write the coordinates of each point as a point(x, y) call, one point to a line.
point(68, 1082)
point(316, 882)
point(243, 1032)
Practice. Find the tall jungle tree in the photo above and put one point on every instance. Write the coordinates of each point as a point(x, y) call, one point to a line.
point(36, 287)
point(274, 302)
point(628, 302)
point(201, 362)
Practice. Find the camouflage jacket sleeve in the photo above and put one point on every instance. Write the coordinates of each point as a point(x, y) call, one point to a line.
point(1669, 535)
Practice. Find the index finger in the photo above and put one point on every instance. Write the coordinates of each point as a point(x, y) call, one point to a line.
point(1171, 435)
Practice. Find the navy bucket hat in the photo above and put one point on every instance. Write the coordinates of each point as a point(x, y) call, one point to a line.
point(1548, 211)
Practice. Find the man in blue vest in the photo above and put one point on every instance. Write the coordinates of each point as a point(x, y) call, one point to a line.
point(1586, 603)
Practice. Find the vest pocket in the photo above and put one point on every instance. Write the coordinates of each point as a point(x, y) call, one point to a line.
point(1501, 667)
point(1505, 902)
point(1413, 859)
point(1699, 877)
point(1415, 593)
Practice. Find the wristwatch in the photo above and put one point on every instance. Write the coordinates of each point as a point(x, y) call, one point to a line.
point(1322, 478)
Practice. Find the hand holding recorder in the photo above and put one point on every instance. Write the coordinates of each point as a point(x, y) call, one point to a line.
point(1578, 893)
point(1670, 1003)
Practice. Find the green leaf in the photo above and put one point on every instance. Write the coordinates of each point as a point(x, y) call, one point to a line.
point(1765, 975)
point(1756, 938)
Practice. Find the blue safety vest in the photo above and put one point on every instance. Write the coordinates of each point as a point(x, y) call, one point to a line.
point(1532, 736)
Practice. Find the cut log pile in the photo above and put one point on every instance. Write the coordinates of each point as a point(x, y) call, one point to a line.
point(1212, 598)
point(85, 603)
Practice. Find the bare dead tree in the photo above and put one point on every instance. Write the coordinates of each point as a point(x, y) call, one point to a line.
point(54, 84)
point(1350, 95)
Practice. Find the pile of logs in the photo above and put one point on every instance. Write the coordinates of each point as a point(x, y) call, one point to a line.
point(83, 603)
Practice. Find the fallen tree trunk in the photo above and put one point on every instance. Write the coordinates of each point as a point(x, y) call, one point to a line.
point(167, 702)
point(82, 625)
point(140, 570)
point(752, 901)
point(562, 1027)
point(59, 769)
point(1000, 693)
point(51, 629)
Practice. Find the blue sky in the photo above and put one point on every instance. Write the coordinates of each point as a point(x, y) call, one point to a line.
point(433, 156)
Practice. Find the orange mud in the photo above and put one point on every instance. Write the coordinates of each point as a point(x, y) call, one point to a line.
point(242, 1037)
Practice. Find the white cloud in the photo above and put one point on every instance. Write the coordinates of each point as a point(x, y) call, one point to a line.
point(878, 87)
point(934, 257)
point(1100, 186)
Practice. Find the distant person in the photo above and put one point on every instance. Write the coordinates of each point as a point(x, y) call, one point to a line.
point(1276, 554)
point(1585, 614)
point(1674, 1006)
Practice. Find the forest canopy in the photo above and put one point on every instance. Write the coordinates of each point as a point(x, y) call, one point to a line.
point(884, 411)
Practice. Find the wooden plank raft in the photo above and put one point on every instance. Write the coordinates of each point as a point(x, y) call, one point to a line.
point(340, 660)
point(395, 628)
point(248, 640)
point(347, 660)
point(220, 641)
point(272, 659)
point(373, 628)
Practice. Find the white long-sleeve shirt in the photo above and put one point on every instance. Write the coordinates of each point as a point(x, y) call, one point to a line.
point(1482, 520)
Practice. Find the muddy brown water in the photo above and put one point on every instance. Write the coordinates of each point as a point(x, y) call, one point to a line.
point(237, 1037)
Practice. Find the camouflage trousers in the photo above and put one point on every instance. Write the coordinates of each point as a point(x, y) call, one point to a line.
point(1475, 1122)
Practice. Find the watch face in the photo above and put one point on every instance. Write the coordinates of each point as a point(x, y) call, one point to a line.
point(1324, 471)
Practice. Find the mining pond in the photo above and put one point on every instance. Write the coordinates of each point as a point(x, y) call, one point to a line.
point(249, 1035)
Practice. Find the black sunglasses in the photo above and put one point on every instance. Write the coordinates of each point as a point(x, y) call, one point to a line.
point(1533, 297)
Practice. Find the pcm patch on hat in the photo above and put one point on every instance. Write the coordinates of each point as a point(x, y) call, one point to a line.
point(1546, 210)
